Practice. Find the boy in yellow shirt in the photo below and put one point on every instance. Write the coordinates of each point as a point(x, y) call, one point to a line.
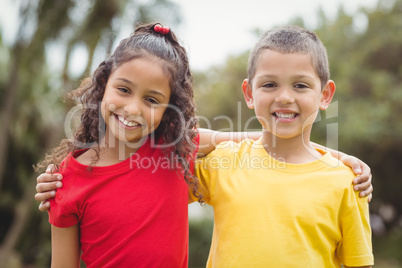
point(278, 201)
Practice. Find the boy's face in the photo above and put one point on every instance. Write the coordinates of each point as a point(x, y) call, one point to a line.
point(286, 93)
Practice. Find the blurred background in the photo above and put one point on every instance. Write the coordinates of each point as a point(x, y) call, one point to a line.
point(48, 46)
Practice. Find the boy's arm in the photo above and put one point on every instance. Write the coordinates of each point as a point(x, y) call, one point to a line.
point(362, 170)
point(355, 247)
point(209, 139)
point(65, 247)
point(46, 186)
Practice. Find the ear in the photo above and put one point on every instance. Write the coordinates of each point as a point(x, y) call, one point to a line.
point(327, 94)
point(248, 94)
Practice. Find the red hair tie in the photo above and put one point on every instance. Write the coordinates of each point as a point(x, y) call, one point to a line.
point(162, 30)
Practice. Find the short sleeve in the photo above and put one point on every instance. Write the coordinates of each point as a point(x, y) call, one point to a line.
point(60, 215)
point(61, 212)
point(207, 169)
point(202, 173)
point(355, 248)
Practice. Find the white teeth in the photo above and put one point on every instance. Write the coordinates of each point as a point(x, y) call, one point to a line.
point(282, 115)
point(127, 123)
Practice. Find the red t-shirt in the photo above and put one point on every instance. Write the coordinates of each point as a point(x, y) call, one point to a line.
point(131, 214)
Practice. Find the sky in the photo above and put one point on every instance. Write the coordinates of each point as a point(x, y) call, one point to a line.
point(224, 27)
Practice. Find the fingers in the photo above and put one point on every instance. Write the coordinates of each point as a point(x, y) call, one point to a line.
point(370, 197)
point(353, 163)
point(44, 187)
point(365, 173)
point(364, 177)
point(43, 206)
point(42, 197)
point(51, 169)
point(47, 177)
point(356, 167)
point(363, 183)
point(367, 192)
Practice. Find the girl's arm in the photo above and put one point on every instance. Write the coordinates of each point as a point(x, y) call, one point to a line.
point(65, 247)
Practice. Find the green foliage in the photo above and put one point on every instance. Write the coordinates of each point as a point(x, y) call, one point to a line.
point(200, 241)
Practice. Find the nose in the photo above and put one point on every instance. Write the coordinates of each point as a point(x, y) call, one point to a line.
point(133, 107)
point(285, 95)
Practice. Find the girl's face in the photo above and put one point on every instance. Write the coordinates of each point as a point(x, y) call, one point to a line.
point(136, 96)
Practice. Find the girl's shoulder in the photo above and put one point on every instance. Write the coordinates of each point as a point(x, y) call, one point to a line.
point(85, 156)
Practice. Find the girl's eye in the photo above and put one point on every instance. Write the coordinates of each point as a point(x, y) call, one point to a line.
point(153, 101)
point(124, 90)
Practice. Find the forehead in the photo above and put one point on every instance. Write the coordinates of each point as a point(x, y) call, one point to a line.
point(276, 61)
point(143, 73)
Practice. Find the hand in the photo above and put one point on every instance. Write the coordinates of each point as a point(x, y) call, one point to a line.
point(46, 186)
point(363, 180)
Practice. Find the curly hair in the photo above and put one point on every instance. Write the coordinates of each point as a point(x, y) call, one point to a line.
point(178, 132)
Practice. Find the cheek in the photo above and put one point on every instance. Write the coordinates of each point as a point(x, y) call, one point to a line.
point(155, 117)
point(106, 109)
point(108, 105)
point(263, 116)
point(309, 120)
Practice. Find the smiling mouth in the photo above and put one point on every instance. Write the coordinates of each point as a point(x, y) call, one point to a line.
point(285, 115)
point(126, 122)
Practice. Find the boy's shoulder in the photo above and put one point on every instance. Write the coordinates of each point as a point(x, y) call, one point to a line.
point(243, 146)
point(342, 174)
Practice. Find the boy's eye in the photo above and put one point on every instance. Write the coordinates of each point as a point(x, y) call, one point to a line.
point(269, 85)
point(300, 86)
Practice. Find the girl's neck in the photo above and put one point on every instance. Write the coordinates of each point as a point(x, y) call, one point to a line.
point(110, 153)
point(296, 150)
point(115, 151)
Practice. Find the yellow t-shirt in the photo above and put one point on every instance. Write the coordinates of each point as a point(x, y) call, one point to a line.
point(273, 214)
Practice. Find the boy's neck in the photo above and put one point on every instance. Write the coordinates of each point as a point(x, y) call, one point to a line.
point(296, 150)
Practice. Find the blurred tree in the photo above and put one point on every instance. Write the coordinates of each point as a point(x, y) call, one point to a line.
point(365, 54)
point(200, 241)
point(220, 99)
point(31, 113)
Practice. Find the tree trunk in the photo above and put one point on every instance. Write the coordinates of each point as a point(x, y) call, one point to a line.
point(6, 115)
point(8, 256)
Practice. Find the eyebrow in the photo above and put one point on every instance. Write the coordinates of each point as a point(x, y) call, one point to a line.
point(155, 92)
